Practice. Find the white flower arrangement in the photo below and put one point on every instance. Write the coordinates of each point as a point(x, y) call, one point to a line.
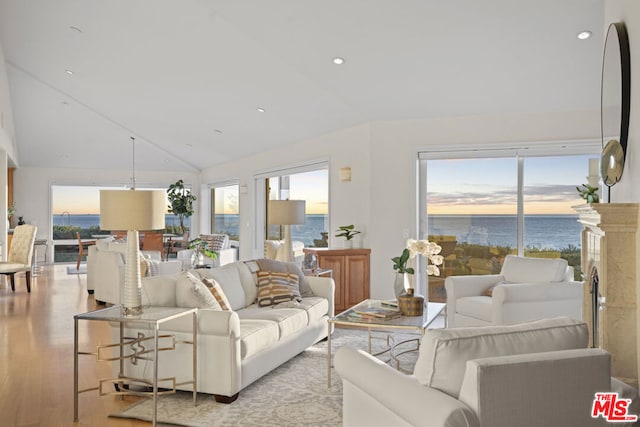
point(429, 250)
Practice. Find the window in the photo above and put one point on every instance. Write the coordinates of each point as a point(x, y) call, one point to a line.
point(313, 187)
point(482, 206)
point(77, 209)
point(225, 208)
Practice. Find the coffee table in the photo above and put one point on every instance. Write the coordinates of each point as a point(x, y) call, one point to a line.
point(404, 323)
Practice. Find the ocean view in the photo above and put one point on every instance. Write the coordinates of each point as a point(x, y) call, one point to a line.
point(541, 231)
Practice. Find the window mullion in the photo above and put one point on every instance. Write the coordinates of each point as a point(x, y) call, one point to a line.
point(520, 205)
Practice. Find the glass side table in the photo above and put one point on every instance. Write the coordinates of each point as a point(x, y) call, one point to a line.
point(151, 318)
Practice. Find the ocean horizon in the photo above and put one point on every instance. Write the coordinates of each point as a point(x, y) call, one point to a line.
point(541, 231)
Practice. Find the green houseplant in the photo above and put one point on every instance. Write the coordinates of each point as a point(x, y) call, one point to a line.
point(348, 232)
point(180, 202)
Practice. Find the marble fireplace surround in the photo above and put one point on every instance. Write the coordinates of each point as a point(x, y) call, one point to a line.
point(610, 249)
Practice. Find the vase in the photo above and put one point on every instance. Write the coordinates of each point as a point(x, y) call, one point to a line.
point(401, 283)
point(411, 304)
point(197, 259)
point(348, 244)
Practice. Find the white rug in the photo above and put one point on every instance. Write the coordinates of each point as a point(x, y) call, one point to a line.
point(295, 394)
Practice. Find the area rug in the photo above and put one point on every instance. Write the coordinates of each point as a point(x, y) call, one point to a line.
point(71, 269)
point(295, 394)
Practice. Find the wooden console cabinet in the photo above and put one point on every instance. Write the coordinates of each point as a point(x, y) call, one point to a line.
point(351, 272)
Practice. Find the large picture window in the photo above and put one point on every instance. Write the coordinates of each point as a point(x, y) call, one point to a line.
point(479, 209)
point(76, 209)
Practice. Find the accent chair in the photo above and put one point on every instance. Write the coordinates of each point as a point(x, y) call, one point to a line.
point(20, 254)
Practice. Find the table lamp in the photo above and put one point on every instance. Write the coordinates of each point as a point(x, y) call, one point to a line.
point(132, 210)
point(286, 213)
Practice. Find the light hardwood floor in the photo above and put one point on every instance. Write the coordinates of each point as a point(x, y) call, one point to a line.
point(36, 354)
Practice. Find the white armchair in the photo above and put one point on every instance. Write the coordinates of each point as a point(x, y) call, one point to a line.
point(526, 289)
point(533, 374)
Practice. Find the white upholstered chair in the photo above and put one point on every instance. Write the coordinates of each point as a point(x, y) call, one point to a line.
point(20, 254)
point(274, 249)
point(526, 289)
point(527, 375)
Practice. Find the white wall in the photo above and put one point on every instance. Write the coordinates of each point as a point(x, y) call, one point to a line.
point(628, 11)
point(6, 148)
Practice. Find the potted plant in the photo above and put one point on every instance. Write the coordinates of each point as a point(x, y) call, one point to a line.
point(348, 232)
point(589, 193)
point(200, 251)
point(180, 202)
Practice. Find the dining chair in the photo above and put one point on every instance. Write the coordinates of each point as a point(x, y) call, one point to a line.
point(153, 241)
point(20, 254)
point(81, 246)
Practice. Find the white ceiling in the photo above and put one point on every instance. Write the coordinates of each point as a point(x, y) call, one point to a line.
point(186, 77)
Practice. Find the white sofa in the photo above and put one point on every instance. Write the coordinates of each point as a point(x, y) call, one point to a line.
point(526, 289)
point(526, 375)
point(236, 347)
point(106, 268)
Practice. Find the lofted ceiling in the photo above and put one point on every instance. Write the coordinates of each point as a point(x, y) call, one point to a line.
point(186, 78)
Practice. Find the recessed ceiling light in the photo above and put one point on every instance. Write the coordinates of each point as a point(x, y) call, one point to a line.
point(217, 131)
point(261, 110)
point(69, 72)
point(76, 29)
point(583, 35)
point(338, 61)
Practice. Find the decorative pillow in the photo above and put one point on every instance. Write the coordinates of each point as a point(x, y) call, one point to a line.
point(271, 248)
point(217, 292)
point(287, 267)
point(489, 291)
point(215, 242)
point(144, 265)
point(103, 244)
point(153, 266)
point(274, 288)
point(192, 293)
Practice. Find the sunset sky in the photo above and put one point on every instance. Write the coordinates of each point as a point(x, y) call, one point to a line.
point(468, 186)
point(489, 186)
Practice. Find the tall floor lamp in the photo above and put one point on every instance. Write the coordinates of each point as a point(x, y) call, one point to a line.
point(287, 213)
point(132, 210)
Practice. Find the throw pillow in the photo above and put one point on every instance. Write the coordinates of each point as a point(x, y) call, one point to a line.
point(192, 293)
point(215, 242)
point(153, 266)
point(144, 266)
point(217, 292)
point(489, 291)
point(274, 288)
point(287, 267)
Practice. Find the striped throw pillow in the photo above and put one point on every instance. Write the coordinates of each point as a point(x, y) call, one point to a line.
point(217, 292)
point(274, 288)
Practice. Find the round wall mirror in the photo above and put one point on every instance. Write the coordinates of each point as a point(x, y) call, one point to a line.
point(615, 103)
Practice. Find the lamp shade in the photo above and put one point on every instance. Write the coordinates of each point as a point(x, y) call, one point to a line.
point(286, 212)
point(132, 209)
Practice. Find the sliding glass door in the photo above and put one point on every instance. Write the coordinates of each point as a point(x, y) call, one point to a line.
point(479, 209)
